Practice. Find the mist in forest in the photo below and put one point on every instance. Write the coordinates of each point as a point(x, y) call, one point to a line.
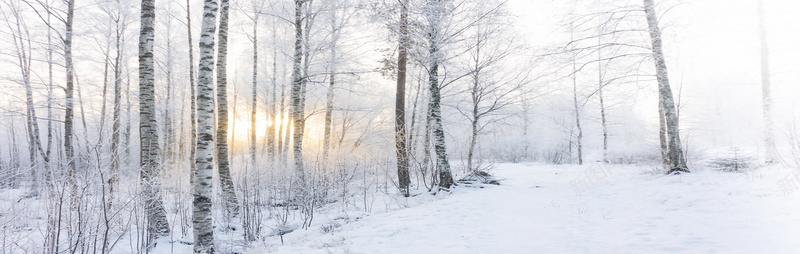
point(169, 115)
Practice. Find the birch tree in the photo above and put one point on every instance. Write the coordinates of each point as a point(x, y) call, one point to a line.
point(601, 98)
point(69, 150)
point(120, 25)
point(493, 85)
point(201, 213)
point(606, 36)
point(223, 162)
point(435, 16)
point(297, 109)
point(766, 88)
point(193, 94)
point(168, 66)
point(254, 98)
point(675, 151)
point(66, 17)
point(157, 225)
point(274, 129)
point(332, 64)
point(576, 107)
point(21, 37)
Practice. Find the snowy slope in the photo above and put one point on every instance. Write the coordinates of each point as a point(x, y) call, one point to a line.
point(580, 209)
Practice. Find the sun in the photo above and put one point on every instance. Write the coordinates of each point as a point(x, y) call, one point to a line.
point(239, 128)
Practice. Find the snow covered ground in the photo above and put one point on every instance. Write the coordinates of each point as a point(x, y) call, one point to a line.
point(577, 209)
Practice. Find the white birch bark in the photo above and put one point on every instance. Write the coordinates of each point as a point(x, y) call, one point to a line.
point(69, 150)
point(677, 159)
point(254, 99)
point(119, 29)
point(228, 193)
point(326, 137)
point(193, 93)
point(434, 17)
point(203, 182)
point(601, 85)
point(157, 225)
point(22, 44)
point(273, 135)
point(577, 111)
point(169, 135)
point(297, 91)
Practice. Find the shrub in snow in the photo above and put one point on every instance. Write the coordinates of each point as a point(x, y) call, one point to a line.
point(730, 160)
point(479, 177)
point(329, 228)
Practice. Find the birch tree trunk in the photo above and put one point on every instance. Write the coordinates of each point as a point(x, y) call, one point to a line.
point(401, 143)
point(228, 192)
point(126, 135)
point(677, 159)
point(234, 107)
point(116, 114)
point(157, 225)
point(169, 135)
point(286, 131)
point(434, 18)
point(412, 131)
point(273, 117)
point(426, 144)
point(662, 135)
point(326, 139)
point(601, 85)
point(475, 114)
point(104, 104)
point(22, 44)
point(445, 176)
point(254, 101)
point(69, 150)
point(577, 109)
point(766, 89)
point(193, 100)
point(203, 182)
point(297, 89)
point(50, 116)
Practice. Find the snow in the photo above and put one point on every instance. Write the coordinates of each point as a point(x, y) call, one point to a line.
point(577, 209)
point(538, 208)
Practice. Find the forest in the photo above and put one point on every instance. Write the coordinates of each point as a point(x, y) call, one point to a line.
point(291, 126)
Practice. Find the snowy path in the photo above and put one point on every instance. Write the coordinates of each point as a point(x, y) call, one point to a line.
point(618, 210)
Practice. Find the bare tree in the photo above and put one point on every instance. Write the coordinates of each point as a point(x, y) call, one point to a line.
point(493, 85)
point(223, 162)
point(435, 17)
point(120, 25)
point(168, 65)
point(766, 88)
point(601, 83)
point(662, 135)
point(193, 94)
point(254, 99)
point(66, 17)
point(22, 44)
point(274, 129)
point(401, 143)
point(577, 107)
point(157, 225)
point(69, 150)
point(676, 156)
point(297, 109)
point(203, 175)
point(607, 37)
